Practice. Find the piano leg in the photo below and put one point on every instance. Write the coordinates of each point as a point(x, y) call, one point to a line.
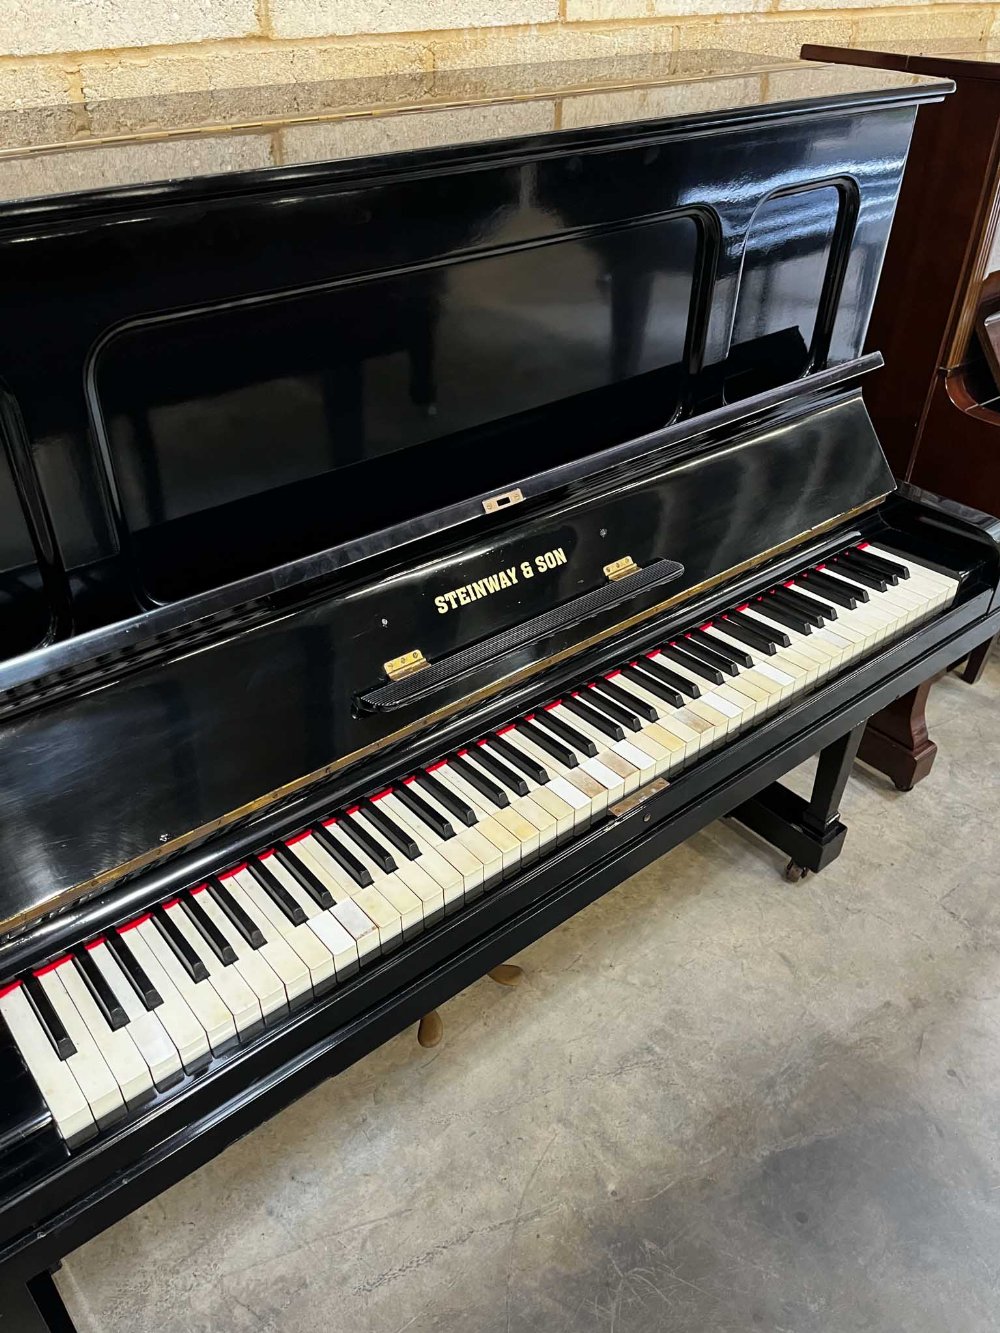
point(975, 664)
point(506, 974)
point(896, 740)
point(809, 831)
point(34, 1307)
point(430, 1029)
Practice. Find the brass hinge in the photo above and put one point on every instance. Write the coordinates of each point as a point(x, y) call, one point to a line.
point(401, 667)
point(496, 502)
point(621, 569)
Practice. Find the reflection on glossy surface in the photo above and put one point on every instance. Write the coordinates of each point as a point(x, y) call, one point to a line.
point(181, 746)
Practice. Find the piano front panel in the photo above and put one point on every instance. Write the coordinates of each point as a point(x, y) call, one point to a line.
point(420, 262)
point(160, 746)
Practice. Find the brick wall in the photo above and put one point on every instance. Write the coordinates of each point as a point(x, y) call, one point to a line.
point(81, 51)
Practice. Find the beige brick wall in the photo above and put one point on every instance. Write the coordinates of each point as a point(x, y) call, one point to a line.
point(80, 52)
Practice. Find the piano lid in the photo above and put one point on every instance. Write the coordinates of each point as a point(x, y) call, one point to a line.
point(57, 150)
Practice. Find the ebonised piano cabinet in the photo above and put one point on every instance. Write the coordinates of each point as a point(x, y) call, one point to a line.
point(272, 432)
point(935, 405)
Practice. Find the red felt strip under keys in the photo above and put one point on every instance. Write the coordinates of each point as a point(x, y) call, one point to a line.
point(101, 939)
point(174, 902)
point(502, 731)
point(264, 856)
point(380, 796)
point(131, 925)
point(7, 990)
point(290, 842)
point(51, 967)
point(228, 874)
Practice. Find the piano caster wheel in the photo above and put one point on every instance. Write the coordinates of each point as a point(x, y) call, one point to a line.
point(794, 872)
point(904, 786)
point(431, 1029)
point(506, 974)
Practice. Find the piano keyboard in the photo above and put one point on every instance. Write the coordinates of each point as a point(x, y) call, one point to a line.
point(105, 1028)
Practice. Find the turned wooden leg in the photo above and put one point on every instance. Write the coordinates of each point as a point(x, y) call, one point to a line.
point(431, 1029)
point(506, 974)
point(972, 668)
point(896, 740)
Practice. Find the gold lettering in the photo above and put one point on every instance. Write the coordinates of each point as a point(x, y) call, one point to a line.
point(478, 588)
point(504, 580)
point(442, 605)
point(463, 596)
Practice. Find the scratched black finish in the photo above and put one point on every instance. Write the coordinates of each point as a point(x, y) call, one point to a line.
point(196, 739)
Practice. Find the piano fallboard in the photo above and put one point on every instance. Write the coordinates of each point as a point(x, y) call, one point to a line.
point(205, 738)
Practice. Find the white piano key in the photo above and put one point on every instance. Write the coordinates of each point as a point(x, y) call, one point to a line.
point(478, 860)
point(118, 1050)
point(345, 910)
point(682, 746)
point(555, 807)
point(71, 1113)
point(181, 1024)
point(251, 964)
point(486, 826)
point(97, 1083)
point(521, 835)
point(226, 979)
point(201, 998)
point(609, 769)
point(146, 1030)
point(321, 921)
point(280, 955)
point(577, 788)
point(391, 884)
point(446, 879)
point(307, 946)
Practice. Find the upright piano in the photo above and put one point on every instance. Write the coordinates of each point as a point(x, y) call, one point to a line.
point(415, 523)
point(936, 403)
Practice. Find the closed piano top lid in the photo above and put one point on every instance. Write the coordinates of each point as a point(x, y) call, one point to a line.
point(67, 149)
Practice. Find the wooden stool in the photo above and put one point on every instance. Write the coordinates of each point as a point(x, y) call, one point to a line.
point(430, 1029)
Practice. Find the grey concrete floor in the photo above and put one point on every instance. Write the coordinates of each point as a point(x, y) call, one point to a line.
point(718, 1102)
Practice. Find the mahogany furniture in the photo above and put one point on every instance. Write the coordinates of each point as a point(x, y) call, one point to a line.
point(936, 404)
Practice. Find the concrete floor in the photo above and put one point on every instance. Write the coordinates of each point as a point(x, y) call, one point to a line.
point(718, 1102)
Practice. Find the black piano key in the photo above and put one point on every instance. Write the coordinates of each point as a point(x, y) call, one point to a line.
point(811, 616)
point(517, 758)
point(208, 930)
point(620, 695)
point(599, 721)
point(567, 733)
point(617, 712)
point(759, 641)
point(133, 969)
point(241, 922)
point(445, 797)
point(729, 650)
point(812, 603)
point(855, 559)
point(546, 741)
point(506, 775)
point(780, 615)
point(648, 682)
point(343, 856)
point(276, 891)
point(61, 1041)
point(674, 679)
point(772, 635)
point(706, 670)
point(833, 590)
point(479, 780)
point(394, 833)
point(858, 574)
point(103, 996)
point(883, 563)
point(303, 876)
point(423, 810)
point(711, 656)
point(181, 946)
point(365, 838)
